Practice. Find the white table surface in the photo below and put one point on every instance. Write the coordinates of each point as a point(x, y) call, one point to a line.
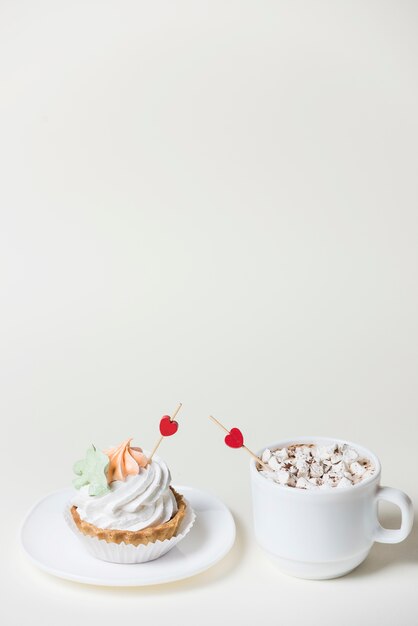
point(214, 203)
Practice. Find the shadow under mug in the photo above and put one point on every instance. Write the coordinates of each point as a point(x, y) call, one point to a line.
point(318, 533)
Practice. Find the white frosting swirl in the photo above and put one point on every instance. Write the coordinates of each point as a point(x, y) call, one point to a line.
point(133, 504)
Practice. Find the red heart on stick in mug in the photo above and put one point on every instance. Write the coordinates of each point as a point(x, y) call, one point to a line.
point(167, 426)
point(234, 439)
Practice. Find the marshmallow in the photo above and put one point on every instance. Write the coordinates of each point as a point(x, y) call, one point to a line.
point(266, 455)
point(337, 469)
point(281, 455)
point(317, 470)
point(304, 466)
point(274, 463)
point(357, 469)
point(303, 483)
point(282, 477)
point(344, 482)
point(349, 454)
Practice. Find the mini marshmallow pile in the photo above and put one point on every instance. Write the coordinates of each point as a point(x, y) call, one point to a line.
point(307, 466)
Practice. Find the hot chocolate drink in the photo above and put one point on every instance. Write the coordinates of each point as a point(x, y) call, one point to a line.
point(315, 505)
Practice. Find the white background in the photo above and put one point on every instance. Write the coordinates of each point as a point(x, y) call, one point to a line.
point(214, 203)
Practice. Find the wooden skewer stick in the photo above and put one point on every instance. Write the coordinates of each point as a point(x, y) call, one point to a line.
point(255, 457)
point(161, 438)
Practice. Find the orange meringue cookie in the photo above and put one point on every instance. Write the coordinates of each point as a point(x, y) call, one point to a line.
point(124, 460)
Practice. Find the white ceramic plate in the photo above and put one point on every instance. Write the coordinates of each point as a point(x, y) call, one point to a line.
point(51, 546)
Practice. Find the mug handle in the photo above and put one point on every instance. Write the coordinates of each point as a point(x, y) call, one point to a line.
point(386, 535)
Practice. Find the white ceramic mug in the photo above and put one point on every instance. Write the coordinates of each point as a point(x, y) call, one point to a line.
point(320, 533)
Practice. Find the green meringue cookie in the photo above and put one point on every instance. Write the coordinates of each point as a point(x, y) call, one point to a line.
point(92, 471)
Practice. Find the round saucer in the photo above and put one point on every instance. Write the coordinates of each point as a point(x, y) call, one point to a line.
point(51, 546)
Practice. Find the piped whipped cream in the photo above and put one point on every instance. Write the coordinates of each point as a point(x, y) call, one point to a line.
point(308, 466)
point(141, 500)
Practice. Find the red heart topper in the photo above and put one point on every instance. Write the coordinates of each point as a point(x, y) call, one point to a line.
point(235, 438)
point(168, 426)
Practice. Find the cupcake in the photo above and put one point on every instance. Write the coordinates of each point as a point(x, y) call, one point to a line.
point(125, 509)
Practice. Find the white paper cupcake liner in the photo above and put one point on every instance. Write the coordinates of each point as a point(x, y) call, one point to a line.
point(123, 553)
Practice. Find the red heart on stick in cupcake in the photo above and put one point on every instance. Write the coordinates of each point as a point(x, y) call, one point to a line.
point(234, 438)
point(168, 426)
